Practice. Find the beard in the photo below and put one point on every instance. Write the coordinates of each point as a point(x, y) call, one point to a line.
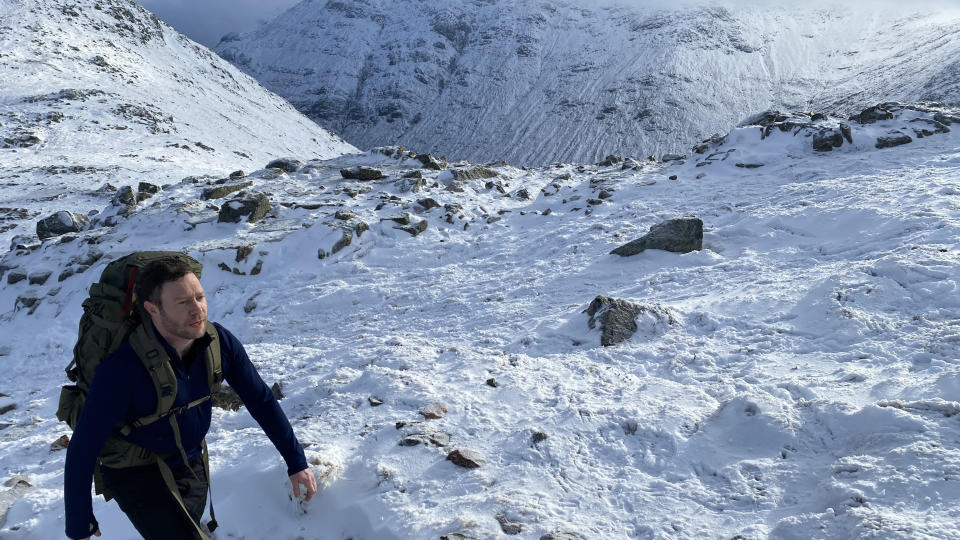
point(181, 329)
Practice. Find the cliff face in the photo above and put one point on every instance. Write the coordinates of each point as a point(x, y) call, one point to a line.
point(536, 81)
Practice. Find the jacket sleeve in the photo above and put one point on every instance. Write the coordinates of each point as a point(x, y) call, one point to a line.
point(242, 376)
point(106, 403)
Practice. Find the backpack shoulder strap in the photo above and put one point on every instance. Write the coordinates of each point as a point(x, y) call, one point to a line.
point(157, 362)
point(213, 359)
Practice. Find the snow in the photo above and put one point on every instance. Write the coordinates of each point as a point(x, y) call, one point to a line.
point(806, 388)
point(537, 82)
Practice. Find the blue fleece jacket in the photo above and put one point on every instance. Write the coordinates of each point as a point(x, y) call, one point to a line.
point(122, 392)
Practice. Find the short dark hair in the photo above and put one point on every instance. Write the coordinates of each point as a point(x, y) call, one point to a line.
point(151, 277)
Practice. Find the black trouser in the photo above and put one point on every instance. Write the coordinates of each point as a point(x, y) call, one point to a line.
point(145, 498)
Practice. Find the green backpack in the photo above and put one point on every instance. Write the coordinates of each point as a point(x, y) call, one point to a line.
point(110, 318)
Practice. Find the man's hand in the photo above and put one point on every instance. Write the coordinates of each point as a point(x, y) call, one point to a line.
point(305, 478)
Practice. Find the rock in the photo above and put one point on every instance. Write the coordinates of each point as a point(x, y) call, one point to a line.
point(7, 408)
point(428, 203)
point(60, 444)
point(219, 192)
point(124, 197)
point(413, 184)
point(430, 162)
point(562, 535)
point(16, 276)
point(374, 401)
point(894, 138)
point(509, 527)
point(846, 132)
point(415, 174)
point(236, 175)
point(476, 173)
point(62, 222)
point(414, 230)
point(254, 206)
point(289, 165)
point(466, 458)
point(19, 486)
point(227, 399)
point(456, 536)
point(277, 390)
point(873, 114)
point(242, 253)
point(672, 157)
point(145, 190)
point(748, 165)
point(344, 215)
point(492, 383)
point(18, 480)
point(680, 235)
point(594, 202)
point(434, 411)
point(538, 437)
point(610, 161)
point(362, 173)
point(604, 194)
point(24, 140)
point(825, 141)
point(39, 278)
point(66, 274)
point(617, 318)
point(344, 240)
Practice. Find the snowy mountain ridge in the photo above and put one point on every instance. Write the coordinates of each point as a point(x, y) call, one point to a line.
point(796, 378)
point(101, 91)
point(533, 82)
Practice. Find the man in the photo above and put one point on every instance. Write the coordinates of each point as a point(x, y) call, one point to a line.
point(122, 391)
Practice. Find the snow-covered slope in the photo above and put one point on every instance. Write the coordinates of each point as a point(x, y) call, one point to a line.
point(97, 91)
point(797, 378)
point(532, 82)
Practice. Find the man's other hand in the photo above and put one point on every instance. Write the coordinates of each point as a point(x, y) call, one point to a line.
point(305, 478)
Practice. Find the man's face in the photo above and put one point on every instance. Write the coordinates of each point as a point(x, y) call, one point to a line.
point(182, 310)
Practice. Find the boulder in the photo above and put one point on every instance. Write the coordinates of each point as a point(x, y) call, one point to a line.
point(666, 158)
point(60, 444)
point(238, 174)
point(509, 527)
point(39, 278)
point(414, 229)
point(62, 222)
point(680, 235)
point(617, 318)
point(894, 138)
point(16, 276)
point(610, 161)
point(873, 114)
point(434, 411)
point(362, 173)
point(334, 242)
point(430, 162)
point(344, 215)
point(227, 399)
point(219, 192)
point(289, 165)
point(476, 173)
point(825, 141)
point(145, 190)
point(466, 458)
point(561, 535)
point(254, 206)
point(124, 197)
point(428, 203)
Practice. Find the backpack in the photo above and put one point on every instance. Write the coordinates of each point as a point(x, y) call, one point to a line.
point(110, 318)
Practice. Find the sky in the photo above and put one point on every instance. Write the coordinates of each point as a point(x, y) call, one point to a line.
point(206, 21)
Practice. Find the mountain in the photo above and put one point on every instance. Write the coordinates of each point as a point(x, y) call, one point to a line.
point(101, 91)
point(794, 378)
point(537, 81)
